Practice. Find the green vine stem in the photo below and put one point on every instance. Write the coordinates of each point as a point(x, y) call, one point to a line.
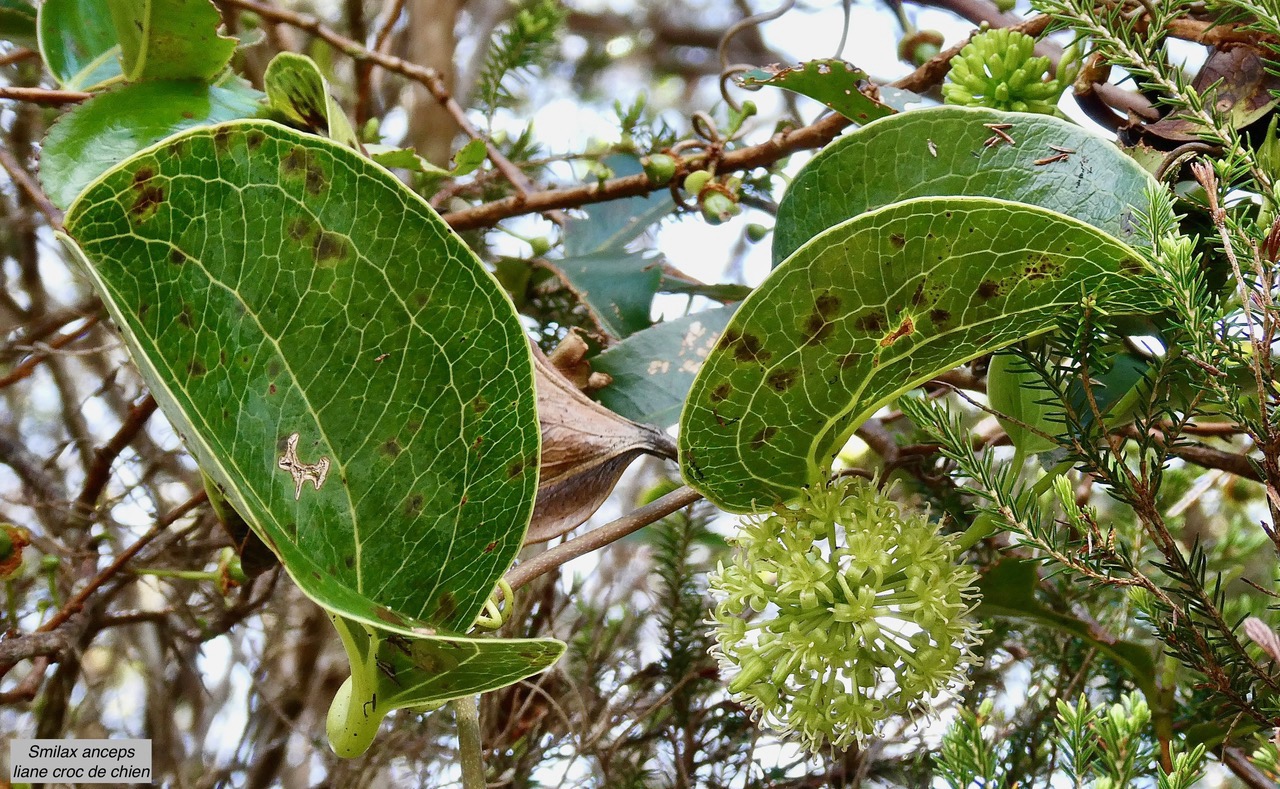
point(470, 749)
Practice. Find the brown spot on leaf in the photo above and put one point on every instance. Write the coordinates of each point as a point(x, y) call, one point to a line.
point(872, 321)
point(350, 562)
point(413, 505)
point(148, 199)
point(222, 138)
point(906, 327)
point(848, 360)
point(479, 404)
point(271, 389)
point(988, 288)
point(196, 368)
point(745, 347)
point(330, 248)
point(720, 393)
point(817, 329)
point(827, 304)
point(939, 316)
point(389, 616)
point(254, 139)
point(918, 296)
point(781, 380)
point(898, 240)
point(446, 606)
point(177, 257)
point(184, 315)
point(515, 469)
point(391, 447)
point(489, 548)
point(761, 438)
point(301, 229)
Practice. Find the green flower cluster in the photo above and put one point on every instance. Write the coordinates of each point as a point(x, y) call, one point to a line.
point(840, 612)
point(998, 69)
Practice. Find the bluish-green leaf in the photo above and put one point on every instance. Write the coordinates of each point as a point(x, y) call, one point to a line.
point(616, 286)
point(112, 126)
point(652, 370)
point(943, 151)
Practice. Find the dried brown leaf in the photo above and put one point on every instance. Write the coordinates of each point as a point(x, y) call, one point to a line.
point(585, 449)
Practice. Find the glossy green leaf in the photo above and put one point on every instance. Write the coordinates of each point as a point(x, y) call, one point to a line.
point(942, 151)
point(390, 673)
point(112, 126)
point(652, 370)
point(170, 39)
point(344, 369)
point(872, 308)
point(78, 42)
point(836, 84)
point(1014, 390)
point(298, 91)
point(17, 20)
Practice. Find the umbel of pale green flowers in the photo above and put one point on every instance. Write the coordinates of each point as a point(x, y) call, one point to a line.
point(998, 69)
point(841, 611)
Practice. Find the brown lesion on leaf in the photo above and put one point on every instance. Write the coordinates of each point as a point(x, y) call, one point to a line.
point(479, 404)
point(939, 316)
point(148, 195)
point(301, 228)
point(871, 321)
point(781, 380)
point(762, 437)
point(905, 328)
point(898, 240)
point(414, 504)
point(848, 360)
point(721, 392)
point(222, 138)
point(988, 289)
point(254, 138)
point(819, 324)
point(184, 316)
point(330, 248)
point(177, 257)
point(917, 298)
point(745, 347)
point(446, 607)
point(315, 473)
point(389, 616)
point(391, 447)
point(1043, 266)
point(515, 469)
point(301, 163)
point(196, 368)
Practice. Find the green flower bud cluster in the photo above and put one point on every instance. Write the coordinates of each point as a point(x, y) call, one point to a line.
point(718, 200)
point(998, 69)
point(840, 612)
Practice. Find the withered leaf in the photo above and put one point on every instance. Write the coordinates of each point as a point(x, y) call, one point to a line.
point(585, 449)
point(1243, 94)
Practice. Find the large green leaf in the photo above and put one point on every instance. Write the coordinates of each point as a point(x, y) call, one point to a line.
point(78, 42)
point(872, 308)
point(116, 124)
point(336, 359)
point(616, 287)
point(652, 370)
point(170, 39)
point(943, 151)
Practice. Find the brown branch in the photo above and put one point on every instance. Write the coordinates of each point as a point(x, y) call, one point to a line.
point(40, 644)
point(31, 189)
point(44, 95)
point(549, 560)
point(27, 366)
point(780, 145)
point(427, 77)
point(99, 472)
